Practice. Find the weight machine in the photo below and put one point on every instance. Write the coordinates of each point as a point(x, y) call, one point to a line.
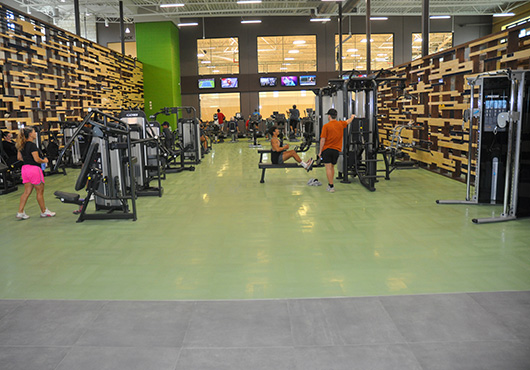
point(108, 170)
point(188, 133)
point(146, 149)
point(498, 169)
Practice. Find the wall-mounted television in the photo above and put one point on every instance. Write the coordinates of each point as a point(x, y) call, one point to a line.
point(268, 81)
point(229, 83)
point(289, 80)
point(308, 80)
point(206, 83)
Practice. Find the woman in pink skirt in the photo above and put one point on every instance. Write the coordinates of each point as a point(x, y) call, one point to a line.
point(32, 175)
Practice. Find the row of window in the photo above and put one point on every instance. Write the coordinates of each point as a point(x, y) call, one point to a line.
point(282, 54)
point(269, 102)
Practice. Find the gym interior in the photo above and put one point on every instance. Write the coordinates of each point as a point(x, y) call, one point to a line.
point(178, 244)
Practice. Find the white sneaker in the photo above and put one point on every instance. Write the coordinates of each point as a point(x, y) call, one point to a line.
point(331, 189)
point(47, 213)
point(309, 165)
point(22, 216)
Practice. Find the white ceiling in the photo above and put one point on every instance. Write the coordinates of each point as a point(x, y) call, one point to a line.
point(150, 10)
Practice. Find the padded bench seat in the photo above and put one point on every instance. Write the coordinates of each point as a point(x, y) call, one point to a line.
point(264, 165)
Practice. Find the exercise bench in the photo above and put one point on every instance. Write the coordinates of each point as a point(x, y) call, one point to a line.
point(264, 165)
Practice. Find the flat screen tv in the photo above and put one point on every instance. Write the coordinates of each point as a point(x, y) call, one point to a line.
point(268, 81)
point(206, 83)
point(308, 80)
point(289, 80)
point(229, 83)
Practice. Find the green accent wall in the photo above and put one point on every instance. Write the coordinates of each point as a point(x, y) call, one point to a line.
point(157, 46)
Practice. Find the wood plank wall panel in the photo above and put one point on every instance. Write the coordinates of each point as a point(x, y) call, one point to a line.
point(439, 83)
point(48, 74)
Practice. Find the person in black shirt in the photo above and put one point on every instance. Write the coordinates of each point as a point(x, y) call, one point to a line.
point(280, 153)
point(32, 175)
point(294, 118)
point(9, 148)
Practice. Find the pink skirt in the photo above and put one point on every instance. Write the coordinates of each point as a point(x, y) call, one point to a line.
point(32, 174)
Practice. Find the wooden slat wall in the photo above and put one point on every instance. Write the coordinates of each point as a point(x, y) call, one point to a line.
point(48, 74)
point(438, 81)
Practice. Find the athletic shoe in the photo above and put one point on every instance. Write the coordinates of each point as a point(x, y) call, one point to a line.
point(309, 165)
point(331, 189)
point(47, 213)
point(22, 216)
point(310, 182)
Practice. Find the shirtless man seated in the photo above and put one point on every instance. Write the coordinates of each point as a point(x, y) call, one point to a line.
point(280, 154)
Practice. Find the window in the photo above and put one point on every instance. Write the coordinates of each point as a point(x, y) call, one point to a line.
point(437, 42)
point(130, 48)
point(284, 54)
point(281, 101)
point(218, 56)
point(354, 51)
point(229, 103)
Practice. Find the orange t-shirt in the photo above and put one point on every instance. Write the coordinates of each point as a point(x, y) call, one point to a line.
point(333, 132)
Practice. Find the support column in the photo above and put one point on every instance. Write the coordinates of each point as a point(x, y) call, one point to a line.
point(368, 38)
point(122, 29)
point(425, 28)
point(340, 40)
point(77, 20)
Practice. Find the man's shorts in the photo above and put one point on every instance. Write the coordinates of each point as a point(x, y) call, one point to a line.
point(330, 156)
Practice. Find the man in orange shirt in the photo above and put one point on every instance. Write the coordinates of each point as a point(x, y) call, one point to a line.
point(331, 144)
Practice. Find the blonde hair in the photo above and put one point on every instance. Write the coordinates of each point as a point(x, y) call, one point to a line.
point(23, 137)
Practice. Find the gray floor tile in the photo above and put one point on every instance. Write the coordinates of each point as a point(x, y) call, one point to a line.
point(48, 323)
point(444, 317)
point(120, 358)
point(472, 355)
point(139, 324)
point(511, 308)
point(237, 359)
point(373, 357)
point(239, 324)
point(7, 306)
point(31, 358)
point(342, 321)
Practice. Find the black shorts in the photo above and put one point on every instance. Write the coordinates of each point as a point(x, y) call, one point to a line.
point(293, 123)
point(330, 156)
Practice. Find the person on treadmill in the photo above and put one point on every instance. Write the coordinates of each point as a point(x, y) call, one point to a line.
point(294, 118)
point(280, 154)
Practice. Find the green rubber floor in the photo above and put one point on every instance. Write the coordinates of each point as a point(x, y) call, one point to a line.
point(217, 233)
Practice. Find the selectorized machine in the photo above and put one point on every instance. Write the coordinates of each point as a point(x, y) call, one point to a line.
point(361, 146)
point(498, 168)
point(108, 170)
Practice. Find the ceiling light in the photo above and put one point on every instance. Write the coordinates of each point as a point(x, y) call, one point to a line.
point(216, 71)
point(286, 64)
point(299, 42)
point(252, 21)
point(283, 69)
point(106, 22)
point(440, 16)
point(206, 61)
point(249, 2)
point(351, 50)
point(294, 51)
point(381, 55)
point(320, 19)
point(127, 30)
point(188, 24)
point(289, 58)
point(378, 18)
point(356, 55)
point(503, 14)
point(364, 40)
point(171, 5)
point(200, 55)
